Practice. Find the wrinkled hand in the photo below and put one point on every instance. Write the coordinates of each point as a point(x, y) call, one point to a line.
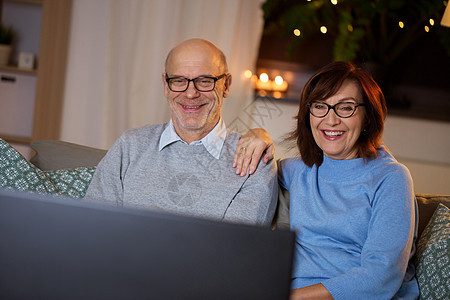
point(256, 143)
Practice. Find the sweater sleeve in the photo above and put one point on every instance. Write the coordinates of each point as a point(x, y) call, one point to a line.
point(107, 183)
point(256, 200)
point(387, 250)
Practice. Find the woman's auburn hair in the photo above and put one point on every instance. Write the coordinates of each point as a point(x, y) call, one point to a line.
point(325, 83)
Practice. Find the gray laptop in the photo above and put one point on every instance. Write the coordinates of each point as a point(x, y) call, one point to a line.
point(59, 248)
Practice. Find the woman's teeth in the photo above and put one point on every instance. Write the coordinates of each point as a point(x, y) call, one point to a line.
point(333, 133)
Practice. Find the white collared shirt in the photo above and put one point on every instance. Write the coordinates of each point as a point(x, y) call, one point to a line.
point(213, 141)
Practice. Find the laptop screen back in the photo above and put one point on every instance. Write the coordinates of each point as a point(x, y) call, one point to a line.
point(58, 248)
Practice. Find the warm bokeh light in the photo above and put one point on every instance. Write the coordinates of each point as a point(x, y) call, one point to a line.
point(431, 22)
point(262, 93)
point(248, 74)
point(323, 29)
point(277, 95)
point(264, 83)
point(401, 24)
point(279, 80)
point(334, 2)
point(350, 28)
point(297, 32)
point(427, 29)
point(264, 77)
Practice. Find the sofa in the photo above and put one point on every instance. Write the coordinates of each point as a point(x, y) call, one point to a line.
point(69, 168)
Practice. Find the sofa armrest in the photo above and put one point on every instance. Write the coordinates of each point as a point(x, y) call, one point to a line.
point(427, 204)
point(56, 155)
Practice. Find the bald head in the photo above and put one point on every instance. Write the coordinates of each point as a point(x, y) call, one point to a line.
point(198, 51)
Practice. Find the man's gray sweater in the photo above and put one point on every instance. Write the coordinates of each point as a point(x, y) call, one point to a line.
point(183, 179)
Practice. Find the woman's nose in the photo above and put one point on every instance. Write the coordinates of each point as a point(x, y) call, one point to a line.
point(332, 118)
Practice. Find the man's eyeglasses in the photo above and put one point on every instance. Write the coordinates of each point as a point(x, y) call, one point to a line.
point(201, 84)
point(342, 109)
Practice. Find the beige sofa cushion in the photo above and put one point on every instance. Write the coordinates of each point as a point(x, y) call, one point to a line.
point(427, 204)
point(56, 155)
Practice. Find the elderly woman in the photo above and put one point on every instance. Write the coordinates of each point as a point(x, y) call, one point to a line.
point(352, 204)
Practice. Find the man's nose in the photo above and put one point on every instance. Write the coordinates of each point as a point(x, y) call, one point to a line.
point(191, 91)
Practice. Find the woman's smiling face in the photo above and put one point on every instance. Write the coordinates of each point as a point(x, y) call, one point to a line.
point(337, 136)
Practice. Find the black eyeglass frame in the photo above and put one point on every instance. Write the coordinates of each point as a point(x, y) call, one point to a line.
point(333, 107)
point(193, 81)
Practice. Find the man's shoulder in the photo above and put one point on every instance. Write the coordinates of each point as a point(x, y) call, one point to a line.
point(141, 138)
point(145, 133)
point(230, 145)
point(233, 137)
point(228, 154)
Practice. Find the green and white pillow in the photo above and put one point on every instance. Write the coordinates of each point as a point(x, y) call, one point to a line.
point(433, 256)
point(19, 174)
point(72, 182)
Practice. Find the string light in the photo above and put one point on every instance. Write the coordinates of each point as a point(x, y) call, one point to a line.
point(248, 74)
point(431, 22)
point(427, 29)
point(401, 24)
point(297, 32)
point(334, 2)
point(323, 29)
point(350, 27)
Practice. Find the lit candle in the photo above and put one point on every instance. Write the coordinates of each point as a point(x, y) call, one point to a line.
point(279, 84)
point(263, 83)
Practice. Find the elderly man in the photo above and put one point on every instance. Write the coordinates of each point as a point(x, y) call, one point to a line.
point(186, 166)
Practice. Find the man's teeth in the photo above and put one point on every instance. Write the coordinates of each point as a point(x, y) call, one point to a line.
point(333, 133)
point(191, 107)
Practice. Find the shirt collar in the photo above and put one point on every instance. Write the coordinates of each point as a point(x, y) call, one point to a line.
point(213, 141)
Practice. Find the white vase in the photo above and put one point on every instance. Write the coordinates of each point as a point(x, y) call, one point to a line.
point(5, 52)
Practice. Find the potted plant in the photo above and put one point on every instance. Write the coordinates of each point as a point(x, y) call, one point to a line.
point(6, 40)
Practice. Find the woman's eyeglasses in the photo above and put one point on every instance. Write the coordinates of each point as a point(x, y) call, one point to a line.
point(342, 109)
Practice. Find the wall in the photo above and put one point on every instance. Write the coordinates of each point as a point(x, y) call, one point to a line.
point(422, 145)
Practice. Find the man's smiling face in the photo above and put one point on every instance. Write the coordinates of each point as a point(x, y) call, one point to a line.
point(195, 113)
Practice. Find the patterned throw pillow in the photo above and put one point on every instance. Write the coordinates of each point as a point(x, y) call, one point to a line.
point(433, 256)
point(72, 182)
point(17, 173)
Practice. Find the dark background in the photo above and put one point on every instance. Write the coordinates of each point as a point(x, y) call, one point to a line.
point(416, 84)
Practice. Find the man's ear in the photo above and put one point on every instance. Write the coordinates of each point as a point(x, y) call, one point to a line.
point(226, 90)
point(165, 84)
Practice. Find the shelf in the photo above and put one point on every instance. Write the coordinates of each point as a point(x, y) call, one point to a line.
point(52, 31)
point(17, 70)
point(26, 1)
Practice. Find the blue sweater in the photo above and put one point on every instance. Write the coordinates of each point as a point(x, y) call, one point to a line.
point(355, 222)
